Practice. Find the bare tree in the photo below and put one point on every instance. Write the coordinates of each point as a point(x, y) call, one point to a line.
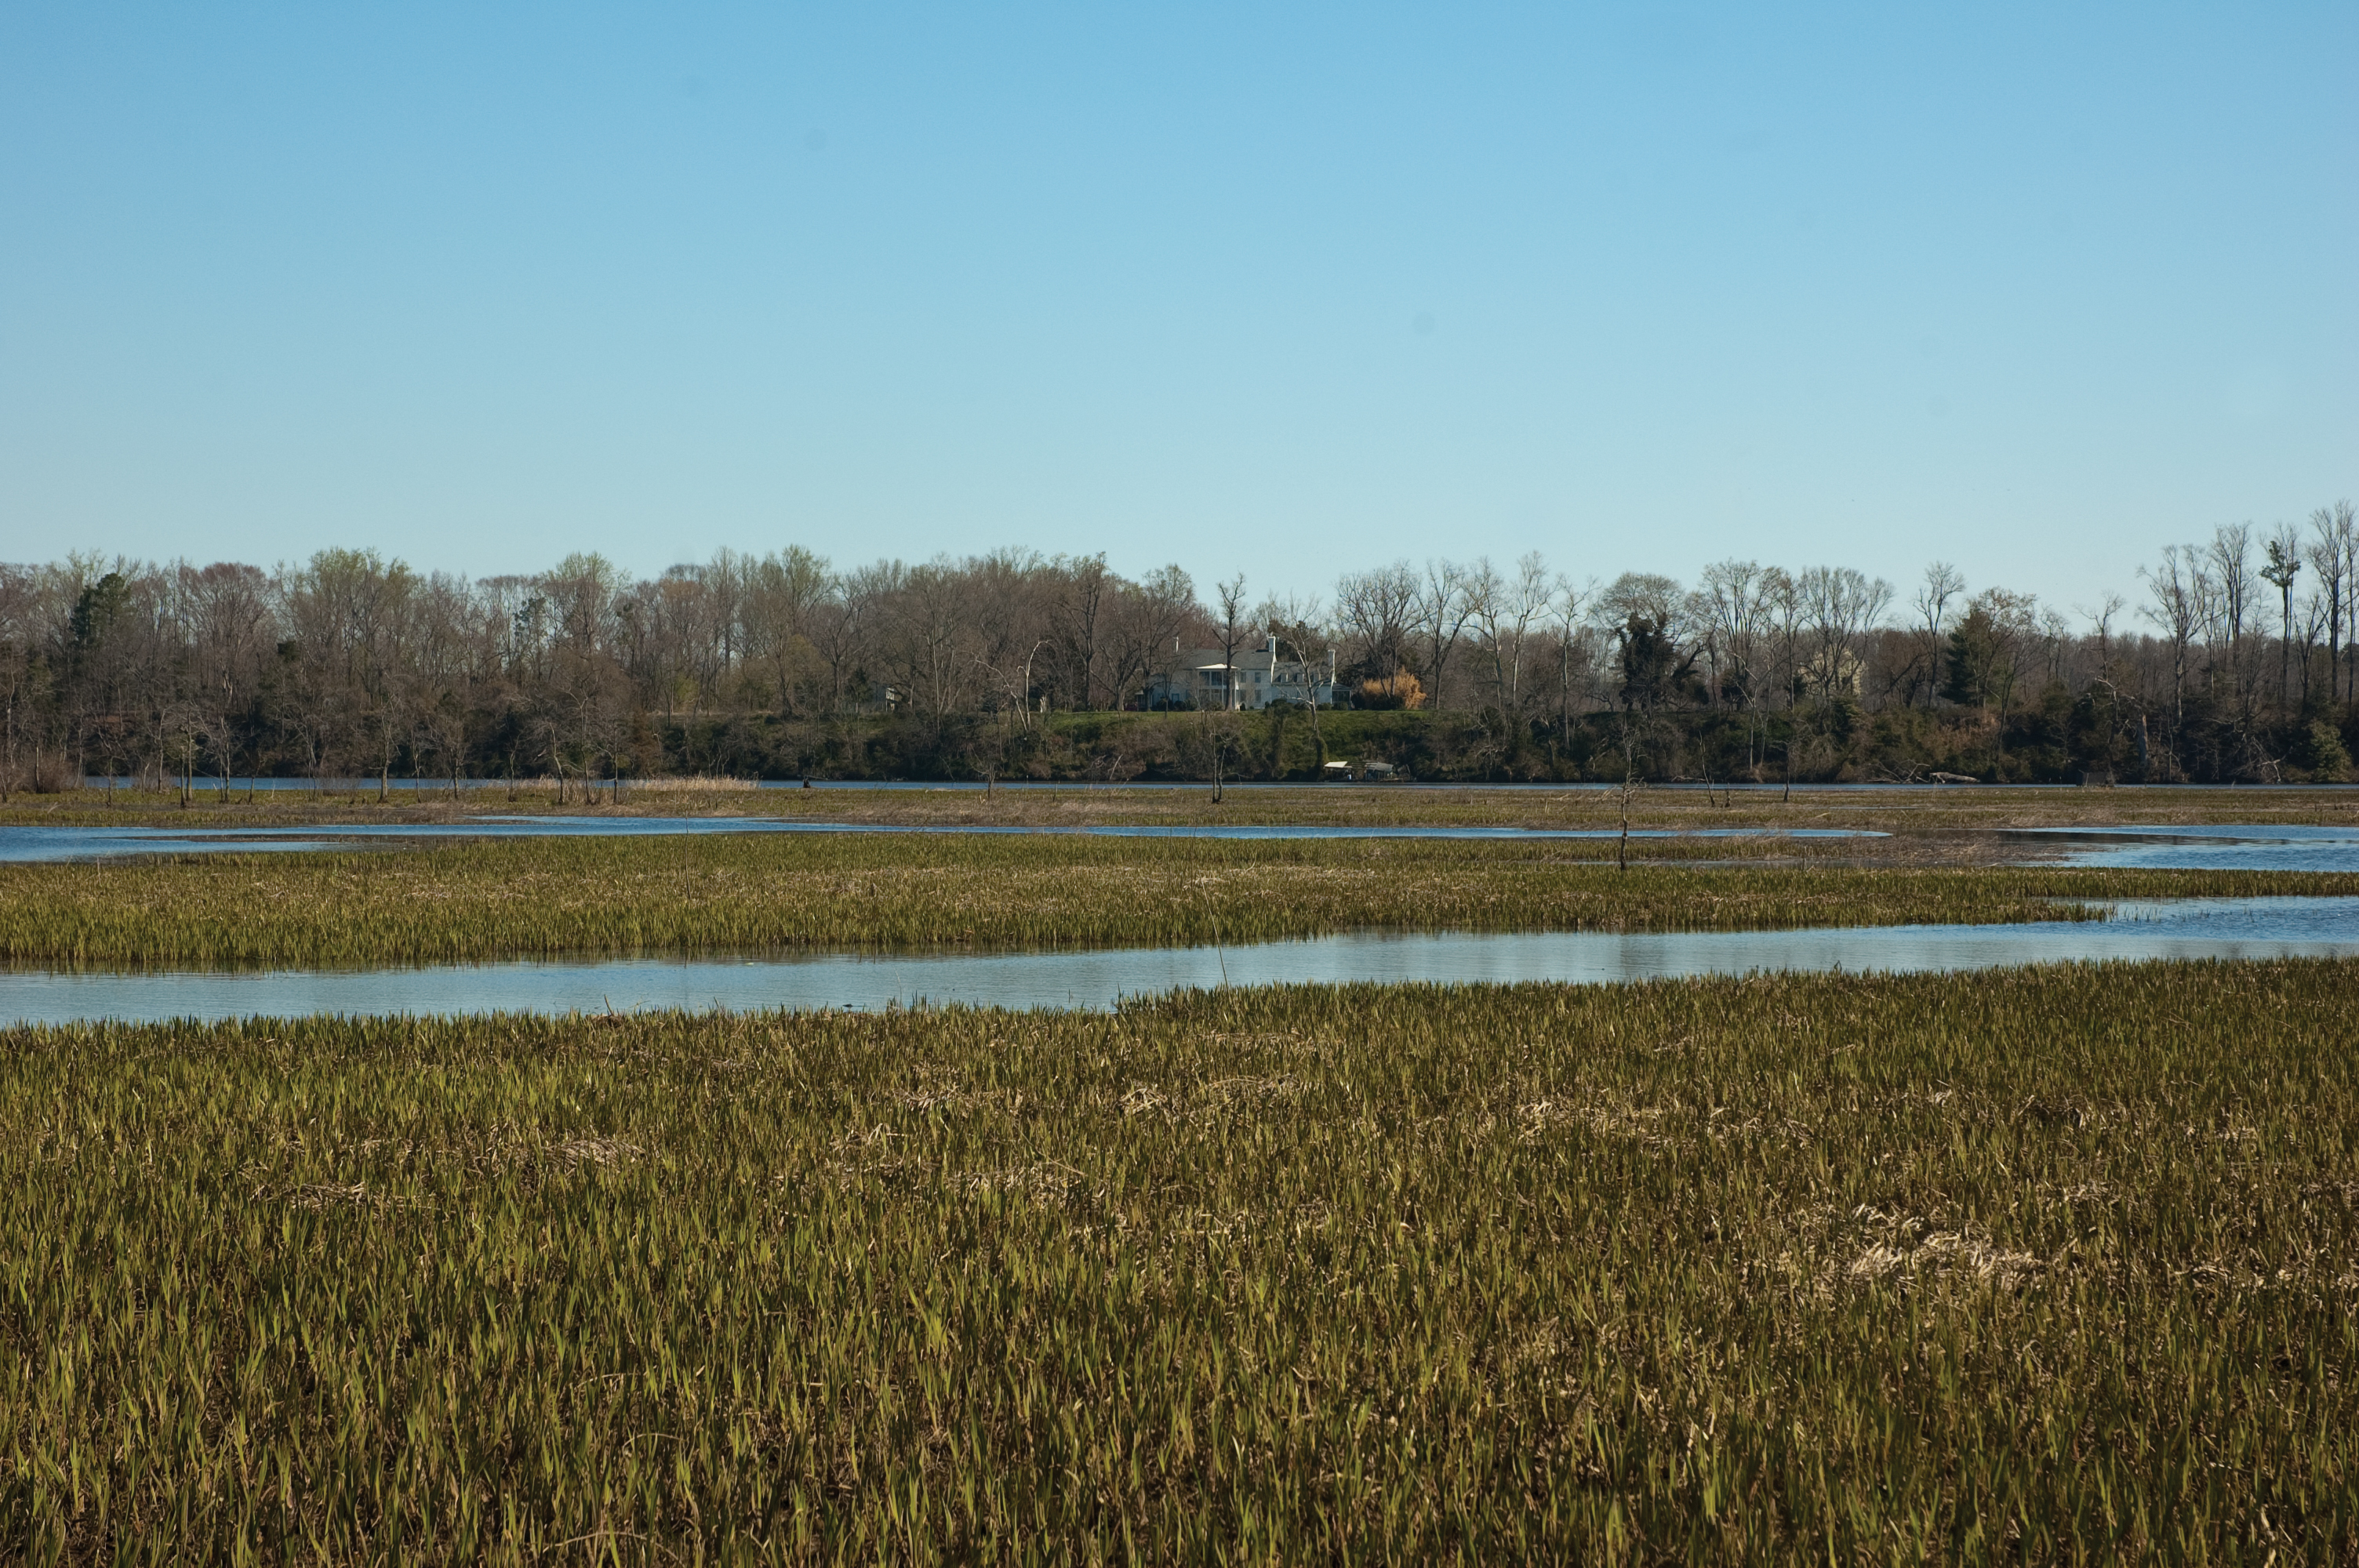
point(2174, 605)
point(228, 610)
point(1441, 611)
point(1486, 592)
point(1230, 598)
point(2105, 684)
point(1943, 583)
point(1839, 604)
point(1083, 591)
point(1376, 610)
point(20, 672)
point(1150, 618)
point(1013, 682)
point(923, 619)
point(1727, 607)
point(1505, 610)
point(349, 613)
point(1007, 596)
point(1786, 621)
point(1736, 606)
point(842, 622)
point(2318, 608)
point(2334, 553)
point(783, 592)
point(1297, 624)
point(2227, 578)
point(1569, 606)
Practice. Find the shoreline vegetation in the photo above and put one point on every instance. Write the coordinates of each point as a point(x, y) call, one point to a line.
point(1018, 665)
point(490, 899)
point(2042, 1264)
point(1921, 811)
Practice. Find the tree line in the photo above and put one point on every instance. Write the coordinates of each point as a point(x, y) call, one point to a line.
point(2237, 660)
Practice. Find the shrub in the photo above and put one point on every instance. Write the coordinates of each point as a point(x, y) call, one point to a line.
point(2323, 753)
point(1400, 689)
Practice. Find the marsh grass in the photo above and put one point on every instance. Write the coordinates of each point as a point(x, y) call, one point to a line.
point(2040, 1265)
point(547, 897)
point(1916, 813)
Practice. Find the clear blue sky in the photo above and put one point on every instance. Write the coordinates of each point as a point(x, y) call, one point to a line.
point(2037, 289)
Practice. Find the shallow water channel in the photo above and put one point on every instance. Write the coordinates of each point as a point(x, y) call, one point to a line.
point(2225, 847)
point(2192, 928)
point(2230, 848)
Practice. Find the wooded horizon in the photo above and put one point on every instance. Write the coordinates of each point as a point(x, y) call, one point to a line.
point(2235, 661)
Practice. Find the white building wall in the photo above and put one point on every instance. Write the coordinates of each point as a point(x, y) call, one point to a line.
point(1200, 678)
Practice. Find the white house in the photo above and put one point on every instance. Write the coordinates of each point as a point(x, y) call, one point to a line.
point(1200, 677)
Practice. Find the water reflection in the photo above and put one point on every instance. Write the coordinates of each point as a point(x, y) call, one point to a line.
point(2229, 848)
point(2207, 928)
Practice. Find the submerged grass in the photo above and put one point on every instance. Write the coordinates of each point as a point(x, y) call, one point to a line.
point(542, 897)
point(2044, 1265)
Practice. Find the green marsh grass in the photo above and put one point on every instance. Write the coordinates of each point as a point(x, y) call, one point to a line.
point(495, 900)
point(2037, 1265)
